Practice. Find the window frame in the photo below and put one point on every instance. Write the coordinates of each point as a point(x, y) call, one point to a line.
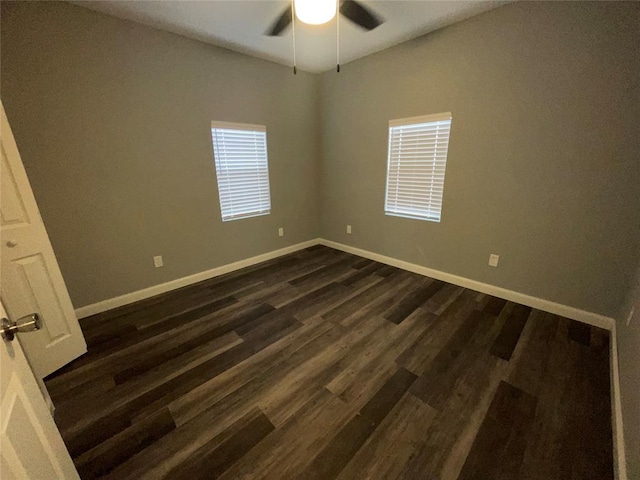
point(218, 167)
point(403, 122)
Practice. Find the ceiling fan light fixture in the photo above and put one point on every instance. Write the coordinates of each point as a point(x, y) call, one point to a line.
point(315, 12)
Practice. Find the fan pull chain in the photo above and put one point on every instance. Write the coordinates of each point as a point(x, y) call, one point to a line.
point(293, 24)
point(338, 36)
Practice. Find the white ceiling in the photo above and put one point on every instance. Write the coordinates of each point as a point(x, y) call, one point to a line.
point(240, 25)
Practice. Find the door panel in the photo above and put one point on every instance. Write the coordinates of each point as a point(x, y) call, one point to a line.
point(31, 278)
point(13, 210)
point(35, 281)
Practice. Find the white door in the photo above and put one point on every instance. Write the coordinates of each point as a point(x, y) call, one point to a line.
point(30, 444)
point(31, 278)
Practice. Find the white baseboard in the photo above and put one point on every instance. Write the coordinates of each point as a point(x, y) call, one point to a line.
point(620, 458)
point(573, 313)
point(127, 298)
point(535, 302)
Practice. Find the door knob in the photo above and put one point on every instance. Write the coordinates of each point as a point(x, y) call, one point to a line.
point(28, 323)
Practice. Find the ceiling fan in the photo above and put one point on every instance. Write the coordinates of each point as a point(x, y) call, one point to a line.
point(316, 12)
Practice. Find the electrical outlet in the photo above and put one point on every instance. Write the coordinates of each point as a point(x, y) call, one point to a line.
point(349, 229)
point(633, 309)
point(157, 261)
point(281, 232)
point(493, 260)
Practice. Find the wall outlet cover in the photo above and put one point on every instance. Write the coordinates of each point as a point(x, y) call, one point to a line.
point(349, 229)
point(493, 260)
point(157, 261)
point(281, 232)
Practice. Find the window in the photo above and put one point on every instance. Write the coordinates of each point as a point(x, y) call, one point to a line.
point(240, 153)
point(416, 165)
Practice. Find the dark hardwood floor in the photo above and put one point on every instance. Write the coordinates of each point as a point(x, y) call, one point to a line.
point(325, 365)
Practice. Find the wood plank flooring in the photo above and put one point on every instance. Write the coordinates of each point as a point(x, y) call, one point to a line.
point(325, 365)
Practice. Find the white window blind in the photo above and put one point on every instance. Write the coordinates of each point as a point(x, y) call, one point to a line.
point(416, 165)
point(240, 153)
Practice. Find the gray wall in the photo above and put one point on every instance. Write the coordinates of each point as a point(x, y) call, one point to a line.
point(629, 365)
point(112, 120)
point(543, 164)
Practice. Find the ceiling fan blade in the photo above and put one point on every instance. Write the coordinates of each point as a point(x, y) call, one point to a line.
point(360, 15)
point(283, 22)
